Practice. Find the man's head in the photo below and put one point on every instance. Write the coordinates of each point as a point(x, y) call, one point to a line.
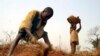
point(47, 13)
point(73, 26)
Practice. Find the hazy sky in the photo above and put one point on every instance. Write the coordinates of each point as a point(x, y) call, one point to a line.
point(12, 12)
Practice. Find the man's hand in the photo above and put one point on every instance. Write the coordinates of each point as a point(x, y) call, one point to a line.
point(79, 21)
point(32, 38)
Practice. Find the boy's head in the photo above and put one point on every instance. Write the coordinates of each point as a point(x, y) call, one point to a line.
point(47, 13)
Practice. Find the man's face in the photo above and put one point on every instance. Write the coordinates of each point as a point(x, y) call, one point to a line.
point(73, 26)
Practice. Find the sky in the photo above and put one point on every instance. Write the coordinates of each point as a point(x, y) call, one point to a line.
point(12, 12)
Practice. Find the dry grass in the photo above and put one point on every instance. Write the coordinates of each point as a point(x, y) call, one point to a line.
point(38, 50)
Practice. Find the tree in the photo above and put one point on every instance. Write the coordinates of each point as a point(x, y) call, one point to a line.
point(9, 35)
point(94, 36)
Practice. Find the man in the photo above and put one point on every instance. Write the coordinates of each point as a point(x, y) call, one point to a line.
point(74, 32)
point(32, 27)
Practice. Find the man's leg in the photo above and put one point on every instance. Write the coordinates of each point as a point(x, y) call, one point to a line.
point(14, 44)
point(21, 33)
point(46, 39)
point(73, 47)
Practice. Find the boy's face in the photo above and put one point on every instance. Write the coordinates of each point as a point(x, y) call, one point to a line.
point(45, 15)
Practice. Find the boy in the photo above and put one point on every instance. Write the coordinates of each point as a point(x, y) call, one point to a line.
point(33, 27)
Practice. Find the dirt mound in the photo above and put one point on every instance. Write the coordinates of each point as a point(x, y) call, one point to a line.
point(38, 50)
point(29, 50)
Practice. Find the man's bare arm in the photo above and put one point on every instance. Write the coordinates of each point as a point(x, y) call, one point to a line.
point(46, 39)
